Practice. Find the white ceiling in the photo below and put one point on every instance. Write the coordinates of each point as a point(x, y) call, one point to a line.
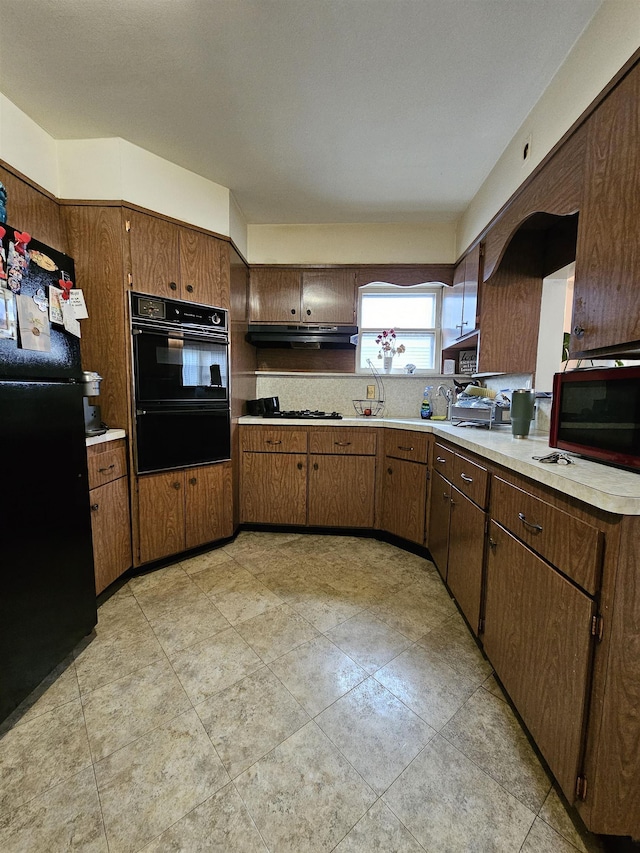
point(308, 110)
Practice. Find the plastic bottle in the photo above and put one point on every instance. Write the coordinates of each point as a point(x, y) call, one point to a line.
point(425, 408)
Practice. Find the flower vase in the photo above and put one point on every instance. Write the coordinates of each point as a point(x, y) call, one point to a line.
point(387, 363)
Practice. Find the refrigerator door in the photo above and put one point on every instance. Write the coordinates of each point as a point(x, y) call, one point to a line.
point(47, 589)
point(63, 360)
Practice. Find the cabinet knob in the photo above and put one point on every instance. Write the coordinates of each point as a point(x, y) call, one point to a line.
point(452, 502)
point(173, 285)
point(492, 542)
point(189, 288)
point(293, 310)
point(308, 312)
point(95, 507)
point(176, 485)
point(300, 466)
point(315, 466)
point(578, 331)
point(389, 470)
point(193, 481)
point(529, 524)
point(446, 496)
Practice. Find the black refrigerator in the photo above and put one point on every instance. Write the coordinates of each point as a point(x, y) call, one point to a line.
point(47, 588)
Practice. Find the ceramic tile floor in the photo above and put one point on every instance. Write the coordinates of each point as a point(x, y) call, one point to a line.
point(285, 693)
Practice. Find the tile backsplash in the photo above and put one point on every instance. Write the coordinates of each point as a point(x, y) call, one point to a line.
point(402, 394)
point(333, 392)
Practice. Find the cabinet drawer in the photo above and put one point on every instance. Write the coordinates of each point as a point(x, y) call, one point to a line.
point(107, 463)
point(472, 479)
point(443, 460)
point(570, 544)
point(404, 444)
point(355, 442)
point(274, 440)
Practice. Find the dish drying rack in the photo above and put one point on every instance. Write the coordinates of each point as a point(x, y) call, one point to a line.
point(376, 406)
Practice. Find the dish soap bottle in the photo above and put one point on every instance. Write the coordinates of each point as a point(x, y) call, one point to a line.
point(425, 408)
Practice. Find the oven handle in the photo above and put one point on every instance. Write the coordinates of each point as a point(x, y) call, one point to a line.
point(222, 410)
point(179, 334)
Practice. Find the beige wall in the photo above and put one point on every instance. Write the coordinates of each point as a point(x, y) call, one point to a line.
point(352, 244)
point(610, 39)
point(26, 146)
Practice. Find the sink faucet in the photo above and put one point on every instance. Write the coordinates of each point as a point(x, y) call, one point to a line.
point(447, 393)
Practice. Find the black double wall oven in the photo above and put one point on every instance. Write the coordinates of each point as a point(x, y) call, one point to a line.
point(181, 383)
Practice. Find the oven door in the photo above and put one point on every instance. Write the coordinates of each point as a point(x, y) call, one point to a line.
point(175, 367)
point(176, 437)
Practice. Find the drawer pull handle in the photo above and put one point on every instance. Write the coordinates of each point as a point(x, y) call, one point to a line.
point(440, 459)
point(466, 479)
point(95, 507)
point(176, 486)
point(300, 466)
point(269, 441)
point(342, 443)
point(403, 447)
point(315, 466)
point(193, 481)
point(108, 468)
point(530, 524)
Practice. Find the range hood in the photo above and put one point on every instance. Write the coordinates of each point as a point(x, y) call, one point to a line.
point(302, 337)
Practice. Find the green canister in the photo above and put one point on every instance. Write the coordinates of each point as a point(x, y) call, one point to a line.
point(522, 404)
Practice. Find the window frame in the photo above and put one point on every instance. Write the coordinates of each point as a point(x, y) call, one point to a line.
point(388, 287)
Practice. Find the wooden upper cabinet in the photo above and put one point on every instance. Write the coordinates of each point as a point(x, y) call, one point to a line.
point(202, 270)
point(460, 302)
point(155, 259)
point(274, 295)
point(510, 310)
point(606, 308)
point(34, 211)
point(328, 296)
point(295, 296)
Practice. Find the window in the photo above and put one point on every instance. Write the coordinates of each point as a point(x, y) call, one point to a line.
point(414, 314)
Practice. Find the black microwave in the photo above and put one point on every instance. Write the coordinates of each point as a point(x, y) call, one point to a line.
point(596, 412)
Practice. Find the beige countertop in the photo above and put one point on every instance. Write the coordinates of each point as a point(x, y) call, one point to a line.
point(109, 435)
point(602, 486)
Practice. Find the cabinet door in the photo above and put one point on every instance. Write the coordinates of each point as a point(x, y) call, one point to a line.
point(466, 556)
point(274, 295)
point(274, 488)
point(161, 515)
point(438, 542)
point(342, 491)
point(208, 504)
point(155, 263)
point(472, 275)
point(606, 295)
point(201, 271)
point(403, 499)
point(111, 531)
point(538, 638)
point(328, 296)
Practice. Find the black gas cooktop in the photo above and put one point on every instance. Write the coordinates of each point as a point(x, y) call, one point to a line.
point(306, 414)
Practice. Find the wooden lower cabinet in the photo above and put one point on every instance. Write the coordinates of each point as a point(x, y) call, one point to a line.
point(439, 519)
point(342, 491)
point(208, 511)
point(538, 638)
point(111, 531)
point(274, 488)
point(176, 513)
point(466, 556)
point(404, 492)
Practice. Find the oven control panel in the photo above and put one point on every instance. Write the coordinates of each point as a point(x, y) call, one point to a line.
point(176, 313)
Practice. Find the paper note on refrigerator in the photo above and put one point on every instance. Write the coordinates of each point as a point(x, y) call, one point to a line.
point(71, 324)
point(35, 330)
